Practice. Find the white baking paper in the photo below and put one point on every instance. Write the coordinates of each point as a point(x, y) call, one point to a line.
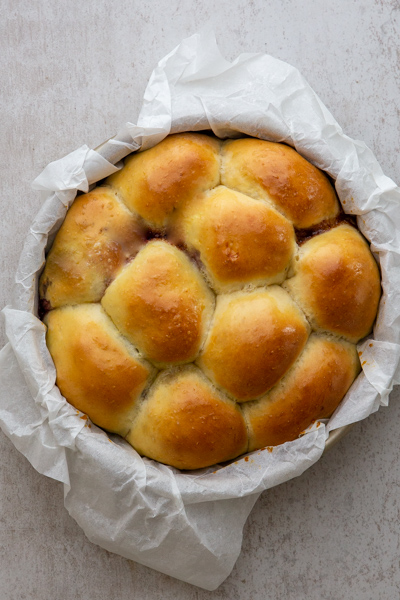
point(189, 525)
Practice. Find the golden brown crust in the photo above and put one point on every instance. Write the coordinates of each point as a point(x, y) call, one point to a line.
point(257, 361)
point(186, 423)
point(311, 390)
point(240, 240)
point(279, 174)
point(96, 370)
point(254, 339)
point(155, 182)
point(161, 303)
point(337, 283)
point(97, 238)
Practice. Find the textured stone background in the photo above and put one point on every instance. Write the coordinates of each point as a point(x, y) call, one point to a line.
point(72, 73)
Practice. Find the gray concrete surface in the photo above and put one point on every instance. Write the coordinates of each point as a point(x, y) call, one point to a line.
point(71, 73)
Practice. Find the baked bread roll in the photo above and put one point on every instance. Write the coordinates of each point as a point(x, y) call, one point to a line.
point(278, 174)
point(308, 392)
point(99, 236)
point(240, 241)
point(336, 283)
point(99, 372)
point(254, 339)
point(161, 304)
point(156, 182)
point(187, 421)
point(205, 300)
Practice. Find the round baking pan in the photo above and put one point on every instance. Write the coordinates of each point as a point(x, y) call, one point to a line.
point(337, 435)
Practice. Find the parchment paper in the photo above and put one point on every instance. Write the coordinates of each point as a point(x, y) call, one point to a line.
point(189, 525)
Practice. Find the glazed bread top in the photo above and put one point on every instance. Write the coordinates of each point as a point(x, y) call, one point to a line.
point(255, 337)
point(336, 282)
point(205, 300)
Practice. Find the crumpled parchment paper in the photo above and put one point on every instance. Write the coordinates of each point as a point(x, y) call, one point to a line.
point(189, 525)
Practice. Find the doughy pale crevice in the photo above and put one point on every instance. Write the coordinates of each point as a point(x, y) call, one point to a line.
point(293, 298)
point(127, 342)
point(296, 259)
point(120, 199)
point(220, 390)
point(239, 406)
point(311, 322)
point(291, 271)
point(139, 403)
point(215, 385)
point(131, 348)
point(195, 259)
point(247, 423)
point(258, 198)
point(207, 329)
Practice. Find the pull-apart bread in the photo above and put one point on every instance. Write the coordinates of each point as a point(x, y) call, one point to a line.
point(205, 301)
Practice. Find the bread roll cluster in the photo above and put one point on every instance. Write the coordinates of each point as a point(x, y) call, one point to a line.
point(205, 300)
